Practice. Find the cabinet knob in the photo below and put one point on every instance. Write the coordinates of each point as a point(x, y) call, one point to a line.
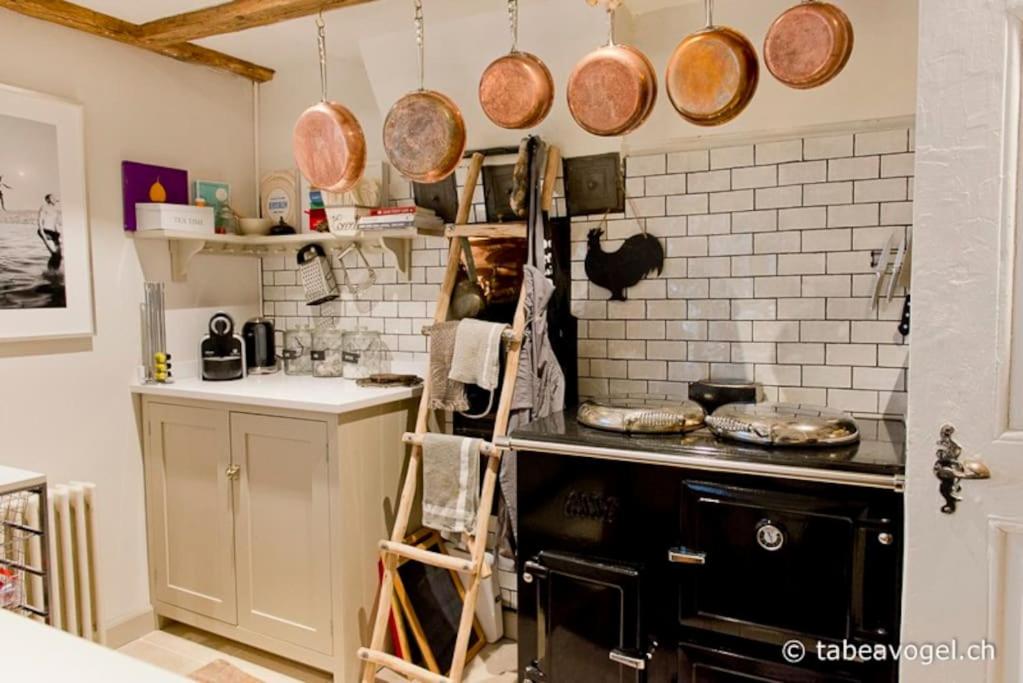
point(232, 471)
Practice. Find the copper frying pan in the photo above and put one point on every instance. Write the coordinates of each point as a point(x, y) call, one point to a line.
point(713, 74)
point(612, 90)
point(328, 142)
point(516, 90)
point(424, 132)
point(809, 44)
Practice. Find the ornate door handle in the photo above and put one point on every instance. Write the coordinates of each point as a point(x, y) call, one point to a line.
point(950, 470)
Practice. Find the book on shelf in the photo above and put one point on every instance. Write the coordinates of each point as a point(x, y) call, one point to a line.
point(399, 221)
point(402, 211)
point(344, 220)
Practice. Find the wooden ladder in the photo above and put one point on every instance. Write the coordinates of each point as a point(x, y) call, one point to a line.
point(392, 550)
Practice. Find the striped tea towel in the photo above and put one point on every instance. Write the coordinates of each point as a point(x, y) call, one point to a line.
point(451, 482)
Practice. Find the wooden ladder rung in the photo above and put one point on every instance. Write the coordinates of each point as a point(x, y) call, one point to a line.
point(411, 552)
point(486, 448)
point(488, 230)
point(406, 669)
point(508, 336)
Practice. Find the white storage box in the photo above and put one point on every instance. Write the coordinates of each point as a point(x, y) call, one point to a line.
point(179, 217)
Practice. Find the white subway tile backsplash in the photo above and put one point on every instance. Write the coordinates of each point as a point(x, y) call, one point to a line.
point(751, 352)
point(892, 356)
point(882, 379)
point(835, 239)
point(801, 264)
point(822, 194)
point(687, 162)
point(710, 181)
point(801, 309)
point(897, 165)
point(885, 190)
point(803, 172)
point(713, 266)
point(801, 354)
point(710, 224)
point(853, 401)
point(778, 287)
point(779, 152)
point(755, 221)
point(650, 164)
point(687, 205)
point(775, 331)
point(745, 266)
point(709, 309)
point(730, 157)
point(666, 184)
point(710, 351)
point(828, 147)
point(731, 245)
point(754, 176)
point(731, 330)
point(779, 197)
point(737, 200)
point(754, 309)
point(860, 168)
point(806, 218)
point(731, 288)
point(835, 331)
point(852, 215)
point(882, 142)
point(829, 376)
point(777, 242)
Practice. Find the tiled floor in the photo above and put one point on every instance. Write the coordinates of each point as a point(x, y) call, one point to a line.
point(182, 649)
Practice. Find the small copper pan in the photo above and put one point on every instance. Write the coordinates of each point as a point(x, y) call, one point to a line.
point(424, 132)
point(516, 90)
point(328, 142)
point(713, 74)
point(612, 90)
point(809, 44)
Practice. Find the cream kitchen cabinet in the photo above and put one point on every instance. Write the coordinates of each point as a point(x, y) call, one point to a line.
point(263, 522)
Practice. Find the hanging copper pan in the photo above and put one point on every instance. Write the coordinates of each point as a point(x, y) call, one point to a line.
point(809, 44)
point(328, 142)
point(713, 74)
point(613, 89)
point(424, 133)
point(517, 89)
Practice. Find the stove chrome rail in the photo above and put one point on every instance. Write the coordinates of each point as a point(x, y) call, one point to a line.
point(890, 482)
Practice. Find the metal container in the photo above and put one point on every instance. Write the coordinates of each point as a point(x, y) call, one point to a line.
point(784, 424)
point(298, 346)
point(316, 275)
point(712, 394)
point(641, 416)
point(326, 352)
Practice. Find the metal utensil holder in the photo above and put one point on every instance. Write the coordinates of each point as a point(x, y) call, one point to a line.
point(24, 584)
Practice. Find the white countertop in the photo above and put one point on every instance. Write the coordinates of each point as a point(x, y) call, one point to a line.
point(36, 652)
point(316, 394)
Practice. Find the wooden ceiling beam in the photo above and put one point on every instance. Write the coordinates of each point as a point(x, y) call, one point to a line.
point(84, 19)
point(230, 17)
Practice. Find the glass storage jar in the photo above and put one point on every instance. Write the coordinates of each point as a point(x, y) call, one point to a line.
point(326, 352)
point(365, 354)
point(298, 346)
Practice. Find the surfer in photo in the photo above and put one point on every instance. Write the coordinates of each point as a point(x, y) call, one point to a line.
point(50, 230)
point(3, 186)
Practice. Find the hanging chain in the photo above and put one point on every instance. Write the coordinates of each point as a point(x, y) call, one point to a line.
point(321, 40)
point(513, 22)
point(709, 8)
point(419, 41)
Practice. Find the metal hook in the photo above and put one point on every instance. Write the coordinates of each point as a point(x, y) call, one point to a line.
point(321, 41)
point(709, 9)
point(513, 21)
point(420, 40)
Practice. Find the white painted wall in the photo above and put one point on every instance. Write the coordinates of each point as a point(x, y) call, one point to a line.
point(65, 409)
point(371, 69)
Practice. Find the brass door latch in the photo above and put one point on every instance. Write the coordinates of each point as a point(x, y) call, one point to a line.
point(950, 470)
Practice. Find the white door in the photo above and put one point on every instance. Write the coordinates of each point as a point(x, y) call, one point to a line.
point(283, 528)
point(964, 571)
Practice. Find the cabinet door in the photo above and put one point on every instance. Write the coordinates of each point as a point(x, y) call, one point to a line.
point(189, 505)
point(283, 528)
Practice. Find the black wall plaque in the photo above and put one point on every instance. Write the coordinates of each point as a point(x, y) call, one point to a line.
point(594, 185)
point(442, 197)
point(498, 185)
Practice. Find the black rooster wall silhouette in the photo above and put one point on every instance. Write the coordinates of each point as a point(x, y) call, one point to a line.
point(640, 256)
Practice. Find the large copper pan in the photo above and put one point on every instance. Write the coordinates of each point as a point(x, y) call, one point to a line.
point(713, 74)
point(809, 44)
point(612, 90)
point(516, 90)
point(328, 142)
point(424, 132)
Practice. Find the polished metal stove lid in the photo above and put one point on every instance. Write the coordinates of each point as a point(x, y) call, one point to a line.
point(784, 424)
point(641, 416)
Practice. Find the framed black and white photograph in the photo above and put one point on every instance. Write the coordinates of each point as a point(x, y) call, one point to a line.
point(45, 276)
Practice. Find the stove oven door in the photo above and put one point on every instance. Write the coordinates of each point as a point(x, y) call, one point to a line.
point(756, 562)
point(589, 620)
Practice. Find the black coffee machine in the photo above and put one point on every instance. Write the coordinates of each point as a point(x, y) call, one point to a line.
point(222, 352)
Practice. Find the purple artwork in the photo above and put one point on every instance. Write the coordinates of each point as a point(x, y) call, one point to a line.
point(156, 184)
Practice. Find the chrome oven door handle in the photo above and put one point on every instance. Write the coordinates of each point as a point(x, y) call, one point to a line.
point(683, 555)
point(625, 659)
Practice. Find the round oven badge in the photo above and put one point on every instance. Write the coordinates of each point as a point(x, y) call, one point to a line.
point(769, 536)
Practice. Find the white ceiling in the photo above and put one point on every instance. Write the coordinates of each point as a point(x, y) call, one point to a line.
point(287, 42)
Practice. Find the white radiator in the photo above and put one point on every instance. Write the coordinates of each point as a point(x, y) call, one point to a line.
point(72, 560)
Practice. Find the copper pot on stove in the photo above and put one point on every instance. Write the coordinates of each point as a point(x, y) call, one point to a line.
point(424, 132)
point(613, 89)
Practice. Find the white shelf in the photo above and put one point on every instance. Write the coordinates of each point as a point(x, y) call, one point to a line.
point(184, 245)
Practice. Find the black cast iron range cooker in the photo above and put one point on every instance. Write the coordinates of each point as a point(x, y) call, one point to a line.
point(687, 559)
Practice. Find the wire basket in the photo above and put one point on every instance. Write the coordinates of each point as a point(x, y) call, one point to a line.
point(15, 537)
